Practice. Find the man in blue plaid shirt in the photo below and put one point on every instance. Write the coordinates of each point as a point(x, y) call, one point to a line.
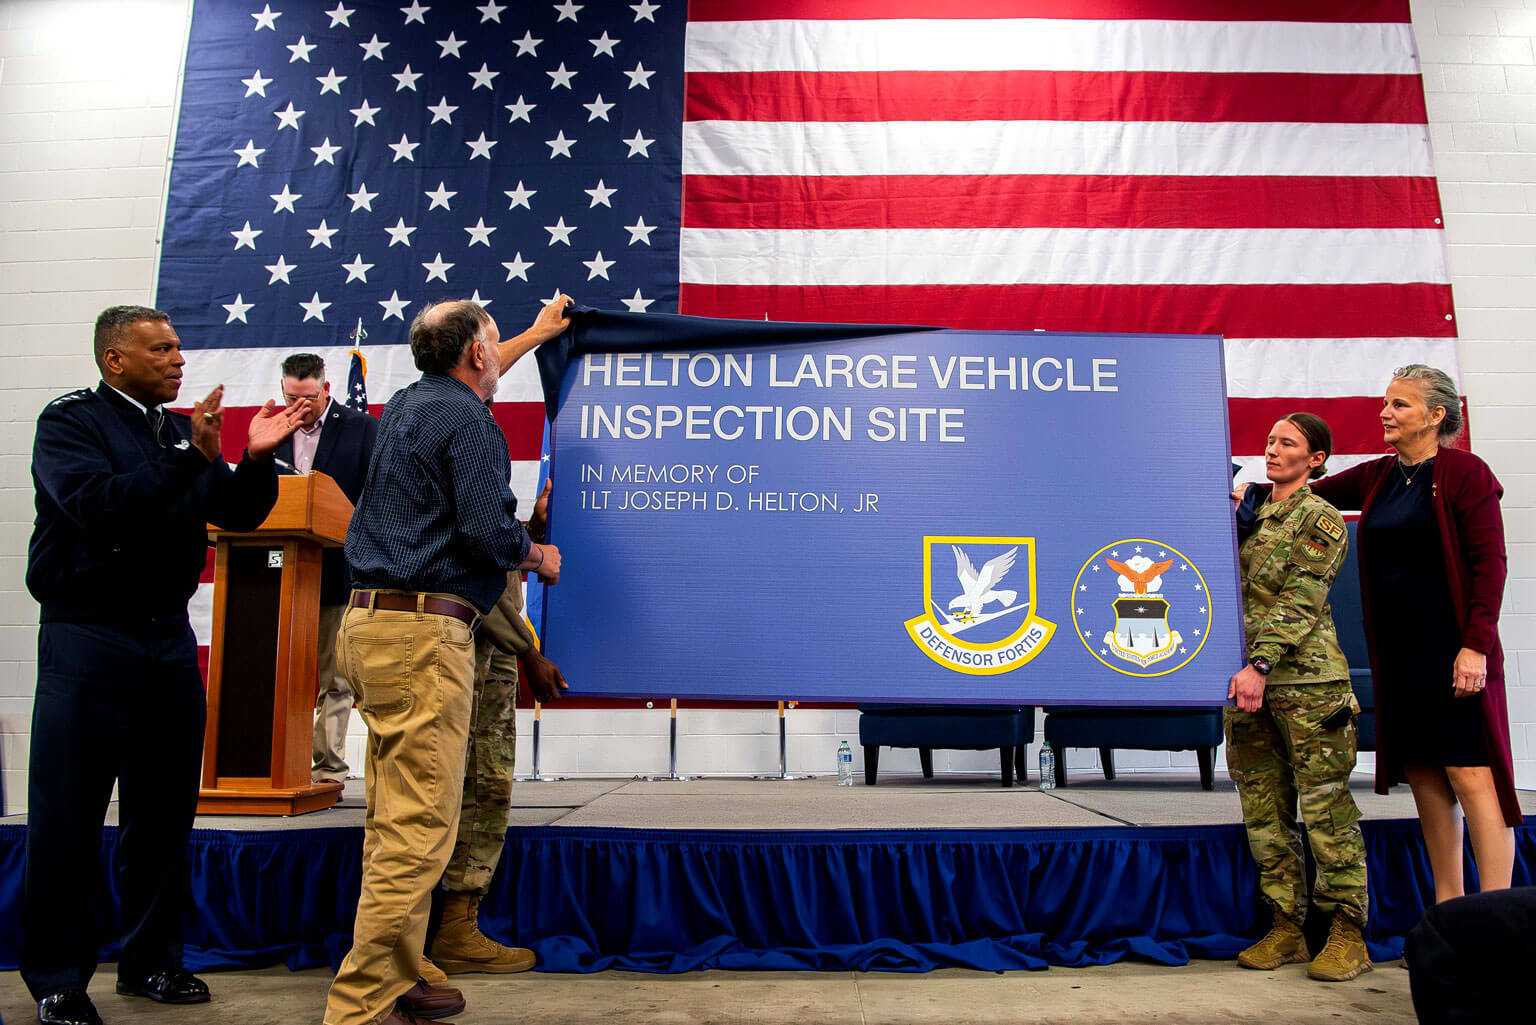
point(431, 542)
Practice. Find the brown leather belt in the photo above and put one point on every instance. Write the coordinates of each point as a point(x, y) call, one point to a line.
point(405, 601)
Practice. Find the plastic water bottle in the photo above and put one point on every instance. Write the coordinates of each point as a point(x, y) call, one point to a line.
point(1047, 767)
point(844, 765)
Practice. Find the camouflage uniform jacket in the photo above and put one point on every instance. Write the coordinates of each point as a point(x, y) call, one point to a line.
point(1288, 564)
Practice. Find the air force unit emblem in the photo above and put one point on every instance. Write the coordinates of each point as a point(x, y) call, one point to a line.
point(979, 621)
point(1161, 611)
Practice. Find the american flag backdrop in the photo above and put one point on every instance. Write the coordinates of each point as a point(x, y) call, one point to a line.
point(1258, 169)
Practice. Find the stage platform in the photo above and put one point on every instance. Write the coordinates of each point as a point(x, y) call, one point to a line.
point(764, 875)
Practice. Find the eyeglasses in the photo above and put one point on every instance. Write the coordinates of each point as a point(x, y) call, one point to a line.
point(291, 399)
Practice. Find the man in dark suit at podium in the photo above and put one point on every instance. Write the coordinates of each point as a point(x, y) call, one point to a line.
point(125, 490)
point(337, 441)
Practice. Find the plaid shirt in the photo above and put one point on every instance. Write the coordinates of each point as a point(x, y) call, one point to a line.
point(436, 513)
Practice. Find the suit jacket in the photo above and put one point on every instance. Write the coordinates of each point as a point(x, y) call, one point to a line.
point(346, 446)
point(1465, 495)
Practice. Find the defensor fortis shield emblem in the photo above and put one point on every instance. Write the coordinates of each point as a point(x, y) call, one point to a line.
point(980, 594)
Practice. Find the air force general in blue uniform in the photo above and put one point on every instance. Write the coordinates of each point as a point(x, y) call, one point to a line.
point(124, 492)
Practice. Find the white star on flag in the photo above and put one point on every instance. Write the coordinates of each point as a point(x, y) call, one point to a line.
point(479, 234)
point(520, 196)
point(246, 236)
point(558, 232)
point(645, 10)
point(518, 267)
point(442, 110)
point(284, 200)
point(325, 153)
point(373, 49)
point(394, 306)
point(597, 267)
point(603, 46)
point(314, 309)
point(476, 298)
point(406, 79)
point(560, 146)
point(483, 77)
point(405, 149)
point(639, 76)
point(598, 109)
point(480, 147)
point(266, 18)
point(300, 51)
point(527, 45)
point(249, 154)
point(451, 46)
point(567, 10)
point(438, 269)
point(339, 16)
point(637, 303)
point(237, 309)
point(520, 110)
point(640, 231)
point(279, 271)
point(364, 114)
point(330, 82)
point(357, 270)
point(491, 12)
point(440, 197)
point(256, 85)
point(362, 199)
point(560, 78)
point(400, 233)
point(639, 145)
point(322, 235)
point(600, 195)
point(288, 118)
point(415, 13)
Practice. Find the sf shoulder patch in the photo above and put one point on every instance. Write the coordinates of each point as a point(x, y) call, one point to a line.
point(1330, 529)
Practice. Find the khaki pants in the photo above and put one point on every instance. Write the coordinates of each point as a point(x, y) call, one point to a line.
point(413, 674)
point(333, 703)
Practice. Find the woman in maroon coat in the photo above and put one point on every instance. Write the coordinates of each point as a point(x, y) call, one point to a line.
point(1432, 568)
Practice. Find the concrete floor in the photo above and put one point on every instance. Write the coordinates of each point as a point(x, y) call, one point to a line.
point(1123, 994)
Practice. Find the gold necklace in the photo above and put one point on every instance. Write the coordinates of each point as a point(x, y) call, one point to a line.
point(1408, 477)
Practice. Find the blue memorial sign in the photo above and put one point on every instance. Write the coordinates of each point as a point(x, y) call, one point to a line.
point(917, 516)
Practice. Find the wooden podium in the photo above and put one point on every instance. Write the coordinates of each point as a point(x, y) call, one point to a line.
point(261, 666)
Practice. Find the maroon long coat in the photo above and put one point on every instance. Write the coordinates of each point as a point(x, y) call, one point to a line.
point(1465, 497)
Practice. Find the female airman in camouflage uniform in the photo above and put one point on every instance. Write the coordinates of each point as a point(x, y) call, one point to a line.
point(1291, 738)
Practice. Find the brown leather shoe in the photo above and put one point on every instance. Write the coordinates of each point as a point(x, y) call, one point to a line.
point(425, 1000)
point(402, 1015)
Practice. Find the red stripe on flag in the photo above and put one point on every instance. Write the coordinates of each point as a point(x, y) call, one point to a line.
point(1336, 11)
point(521, 422)
point(1057, 201)
point(1352, 419)
point(1052, 96)
point(1242, 311)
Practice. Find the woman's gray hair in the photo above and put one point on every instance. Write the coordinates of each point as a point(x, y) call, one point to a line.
point(1439, 390)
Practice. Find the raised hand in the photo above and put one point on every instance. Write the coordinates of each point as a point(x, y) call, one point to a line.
point(208, 423)
point(271, 425)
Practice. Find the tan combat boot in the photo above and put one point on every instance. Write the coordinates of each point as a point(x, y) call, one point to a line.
point(1283, 944)
point(430, 973)
point(461, 946)
point(1344, 956)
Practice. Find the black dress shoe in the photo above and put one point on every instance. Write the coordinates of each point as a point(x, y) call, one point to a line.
point(70, 1007)
point(167, 986)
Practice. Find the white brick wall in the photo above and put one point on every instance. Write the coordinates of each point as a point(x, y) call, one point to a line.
point(87, 92)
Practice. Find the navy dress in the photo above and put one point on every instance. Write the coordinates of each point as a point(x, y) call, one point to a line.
point(1418, 638)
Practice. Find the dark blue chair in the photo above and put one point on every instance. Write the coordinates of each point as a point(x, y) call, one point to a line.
point(949, 727)
point(1138, 729)
point(1349, 621)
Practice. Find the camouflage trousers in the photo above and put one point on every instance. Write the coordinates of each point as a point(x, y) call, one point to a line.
point(487, 773)
point(1282, 757)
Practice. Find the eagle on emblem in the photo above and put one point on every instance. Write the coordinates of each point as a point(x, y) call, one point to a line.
point(977, 588)
point(1140, 578)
